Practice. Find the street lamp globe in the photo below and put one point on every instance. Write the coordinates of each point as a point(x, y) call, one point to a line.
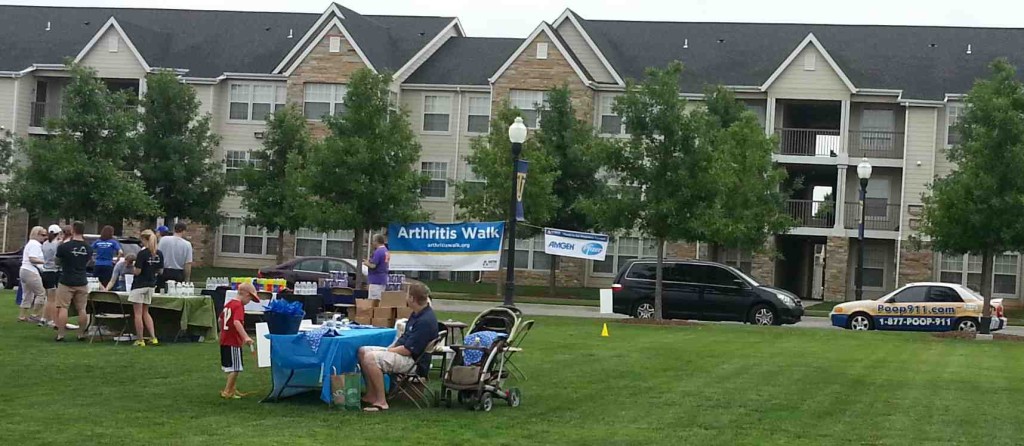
point(864, 169)
point(517, 131)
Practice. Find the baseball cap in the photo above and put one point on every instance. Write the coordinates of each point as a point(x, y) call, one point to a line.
point(162, 229)
point(54, 229)
point(247, 288)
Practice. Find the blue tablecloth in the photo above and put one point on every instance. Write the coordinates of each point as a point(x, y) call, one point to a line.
point(291, 355)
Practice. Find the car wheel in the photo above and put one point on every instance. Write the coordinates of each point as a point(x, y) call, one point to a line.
point(644, 310)
point(763, 315)
point(860, 322)
point(967, 324)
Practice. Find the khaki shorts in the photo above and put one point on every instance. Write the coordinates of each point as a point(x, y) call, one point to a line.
point(66, 295)
point(32, 292)
point(141, 296)
point(376, 291)
point(389, 362)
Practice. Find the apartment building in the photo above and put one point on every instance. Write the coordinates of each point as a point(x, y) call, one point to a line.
point(833, 94)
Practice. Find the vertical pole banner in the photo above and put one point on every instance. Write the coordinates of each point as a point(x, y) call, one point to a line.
point(521, 167)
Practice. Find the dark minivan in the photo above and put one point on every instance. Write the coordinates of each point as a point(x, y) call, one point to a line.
point(703, 291)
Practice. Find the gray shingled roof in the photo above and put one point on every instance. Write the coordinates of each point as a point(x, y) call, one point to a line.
point(880, 57)
point(208, 43)
point(465, 61)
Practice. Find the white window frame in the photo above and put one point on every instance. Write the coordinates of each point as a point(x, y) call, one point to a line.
point(113, 42)
point(963, 262)
point(228, 160)
point(447, 168)
point(883, 264)
point(607, 101)
point(525, 100)
point(423, 124)
point(542, 50)
point(527, 248)
point(337, 98)
point(242, 235)
point(469, 113)
point(954, 112)
point(887, 189)
point(324, 238)
point(278, 102)
point(810, 61)
point(643, 245)
point(334, 44)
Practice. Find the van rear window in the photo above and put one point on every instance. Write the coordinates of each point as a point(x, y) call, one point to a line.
point(642, 271)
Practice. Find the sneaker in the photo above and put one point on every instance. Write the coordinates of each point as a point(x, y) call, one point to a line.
point(154, 341)
point(230, 396)
point(140, 343)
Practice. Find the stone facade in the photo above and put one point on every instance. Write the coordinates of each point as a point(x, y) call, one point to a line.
point(680, 250)
point(529, 73)
point(570, 273)
point(762, 265)
point(202, 237)
point(915, 265)
point(837, 254)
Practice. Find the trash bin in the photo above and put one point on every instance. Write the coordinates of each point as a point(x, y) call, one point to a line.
point(283, 323)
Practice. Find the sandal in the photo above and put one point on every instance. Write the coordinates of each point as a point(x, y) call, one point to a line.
point(231, 396)
point(375, 408)
point(242, 394)
point(59, 339)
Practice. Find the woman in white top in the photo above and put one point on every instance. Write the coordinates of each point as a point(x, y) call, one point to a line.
point(33, 295)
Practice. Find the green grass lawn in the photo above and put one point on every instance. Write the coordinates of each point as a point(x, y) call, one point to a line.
point(707, 384)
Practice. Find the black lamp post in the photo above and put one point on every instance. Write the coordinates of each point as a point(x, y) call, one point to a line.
point(517, 135)
point(864, 173)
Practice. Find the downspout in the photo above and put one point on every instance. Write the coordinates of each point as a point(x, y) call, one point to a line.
point(458, 139)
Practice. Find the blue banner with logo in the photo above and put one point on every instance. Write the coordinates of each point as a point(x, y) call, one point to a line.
point(581, 245)
point(521, 167)
point(445, 247)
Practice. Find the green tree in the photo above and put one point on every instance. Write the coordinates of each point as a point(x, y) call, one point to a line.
point(271, 194)
point(84, 170)
point(8, 142)
point(979, 207)
point(572, 144)
point(490, 159)
point(361, 176)
point(750, 205)
point(177, 163)
point(664, 174)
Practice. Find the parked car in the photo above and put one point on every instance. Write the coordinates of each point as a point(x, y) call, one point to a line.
point(702, 291)
point(309, 269)
point(10, 262)
point(928, 306)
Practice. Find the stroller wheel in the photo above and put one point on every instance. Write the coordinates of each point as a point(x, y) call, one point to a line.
point(514, 397)
point(486, 403)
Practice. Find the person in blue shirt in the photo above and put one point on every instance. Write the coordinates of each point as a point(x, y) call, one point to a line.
point(401, 356)
point(108, 251)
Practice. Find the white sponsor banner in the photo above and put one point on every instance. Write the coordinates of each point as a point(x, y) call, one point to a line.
point(581, 245)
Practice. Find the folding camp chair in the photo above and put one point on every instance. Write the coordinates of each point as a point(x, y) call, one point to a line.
point(123, 314)
point(411, 383)
point(514, 347)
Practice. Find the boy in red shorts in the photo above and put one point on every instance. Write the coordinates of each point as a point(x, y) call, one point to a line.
point(233, 336)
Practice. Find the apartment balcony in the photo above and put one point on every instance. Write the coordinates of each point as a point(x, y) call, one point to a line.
point(40, 112)
point(879, 215)
point(808, 142)
point(876, 144)
point(811, 213)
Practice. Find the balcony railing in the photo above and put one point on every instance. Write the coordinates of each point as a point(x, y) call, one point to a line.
point(812, 214)
point(876, 144)
point(42, 111)
point(808, 142)
point(879, 215)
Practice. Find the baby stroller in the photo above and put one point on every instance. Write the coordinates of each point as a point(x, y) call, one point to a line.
point(477, 384)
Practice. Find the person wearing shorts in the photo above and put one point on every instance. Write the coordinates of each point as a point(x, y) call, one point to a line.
point(401, 356)
point(148, 264)
point(233, 337)
point(33, 295)
point(73, 256)
point(378, 264)
point(50, 273)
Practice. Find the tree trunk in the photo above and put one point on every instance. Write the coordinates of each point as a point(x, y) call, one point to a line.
point(280, 246)
point(357, 252)
point(551, 276)
point(657, 279)
point(986, 291)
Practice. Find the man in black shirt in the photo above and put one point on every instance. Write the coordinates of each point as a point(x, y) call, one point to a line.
point(73, 256)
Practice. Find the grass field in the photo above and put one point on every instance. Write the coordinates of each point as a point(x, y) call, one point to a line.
point(707, 384)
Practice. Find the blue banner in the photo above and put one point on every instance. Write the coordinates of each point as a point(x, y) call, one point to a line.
point(521, 167)
point(445, 247)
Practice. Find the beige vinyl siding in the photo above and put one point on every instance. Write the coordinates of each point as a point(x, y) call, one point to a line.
point(797, 83)
point(578, 45)
point(430, 50)
point(120, 65)
point(7, 105)
point(920, 148)
point(203, 94)
point(25, 95)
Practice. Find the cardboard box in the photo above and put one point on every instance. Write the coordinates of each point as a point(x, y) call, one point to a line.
point(384, 312)
point(362, 304)
point(403, 313)
point(365, 313)
point(393, 299)
point(363, 320)
point(383, 322)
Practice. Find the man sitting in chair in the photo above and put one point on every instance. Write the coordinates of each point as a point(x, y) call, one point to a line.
point(401, 356)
